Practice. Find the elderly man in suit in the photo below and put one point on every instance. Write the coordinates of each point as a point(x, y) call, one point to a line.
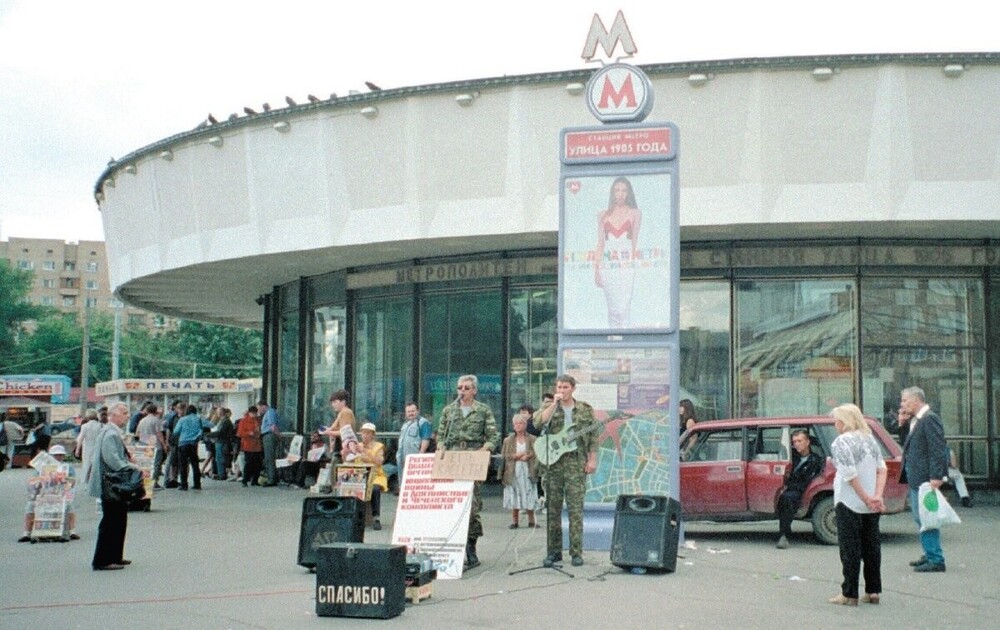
point(924, 460)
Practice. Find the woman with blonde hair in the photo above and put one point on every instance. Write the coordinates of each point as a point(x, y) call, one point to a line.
point(857, 495)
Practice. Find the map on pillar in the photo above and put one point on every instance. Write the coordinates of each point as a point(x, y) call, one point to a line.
point(629, 389)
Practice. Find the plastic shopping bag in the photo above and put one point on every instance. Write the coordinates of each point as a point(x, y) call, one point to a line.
point(935, 511)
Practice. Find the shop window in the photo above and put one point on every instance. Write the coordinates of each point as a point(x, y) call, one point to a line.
point(704, 347)
point(929, 333)
point(461, 335)
point(329, 343)
point(288, 368)
point(534, 343)
point(795, 346)
point(383, 360)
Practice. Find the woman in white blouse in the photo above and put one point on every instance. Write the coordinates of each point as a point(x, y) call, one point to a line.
point(857, 494)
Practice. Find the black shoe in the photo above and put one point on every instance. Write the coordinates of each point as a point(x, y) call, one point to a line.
point(967, 502)
point(24, 539)
point(919, 561)
point(513, 526)
point(182, 488)
point(930, 567)
point(377, 525)
point(110, 567)
point(577, 561)
point(552, 559)
point(471, 559)
point(74, 537)
point(244, 484)
point(171, 484)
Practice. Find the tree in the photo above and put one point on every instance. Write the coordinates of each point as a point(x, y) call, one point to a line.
point(55, 347)
point(216, 351)
point(15, 309)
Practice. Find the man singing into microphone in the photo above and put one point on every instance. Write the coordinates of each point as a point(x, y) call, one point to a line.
point(468, 425)
point(567, 477)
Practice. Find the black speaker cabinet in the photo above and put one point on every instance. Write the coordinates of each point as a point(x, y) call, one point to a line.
point(646, 532)
point(359, 580)
point(328, 519)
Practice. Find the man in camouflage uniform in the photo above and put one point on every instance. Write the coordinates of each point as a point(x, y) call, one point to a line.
point(567, 477)
point(468, 425)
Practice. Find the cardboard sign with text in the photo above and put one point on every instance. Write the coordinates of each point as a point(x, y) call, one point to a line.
point(470, 465)
point(432, 515)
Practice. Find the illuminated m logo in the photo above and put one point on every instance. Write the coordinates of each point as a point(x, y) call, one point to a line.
point(626, 93)
point(608, 40)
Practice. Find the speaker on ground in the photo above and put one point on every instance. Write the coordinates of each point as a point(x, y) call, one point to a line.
point(646, 531)
point(326, 520)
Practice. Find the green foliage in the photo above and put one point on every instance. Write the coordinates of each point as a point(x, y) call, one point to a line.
point(193, 350)
point(15, 309)
point(217, 351)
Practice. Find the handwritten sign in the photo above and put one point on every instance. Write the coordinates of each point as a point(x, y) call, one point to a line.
point(432, 515)
point(470, 465)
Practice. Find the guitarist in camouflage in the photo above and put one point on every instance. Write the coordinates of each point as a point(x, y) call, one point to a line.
point(566, 477)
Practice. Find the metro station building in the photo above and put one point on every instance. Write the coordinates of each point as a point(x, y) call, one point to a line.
point(840, 238)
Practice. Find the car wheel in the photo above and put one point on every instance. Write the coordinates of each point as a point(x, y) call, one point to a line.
point(824, 521)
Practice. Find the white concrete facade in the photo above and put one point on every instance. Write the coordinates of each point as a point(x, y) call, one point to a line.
point(887, 146)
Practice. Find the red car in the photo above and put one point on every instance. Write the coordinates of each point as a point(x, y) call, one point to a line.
point(734, 470)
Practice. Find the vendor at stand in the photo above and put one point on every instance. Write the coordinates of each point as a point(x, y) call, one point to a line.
point(373, 454)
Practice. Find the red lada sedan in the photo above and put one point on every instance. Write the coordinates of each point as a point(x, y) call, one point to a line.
point(734, 470)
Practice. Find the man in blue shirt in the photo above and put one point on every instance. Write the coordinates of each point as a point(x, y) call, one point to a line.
point(189, 430)
point(270, 431)
point(414, 436)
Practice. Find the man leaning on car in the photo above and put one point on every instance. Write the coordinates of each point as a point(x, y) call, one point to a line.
point(805, 466)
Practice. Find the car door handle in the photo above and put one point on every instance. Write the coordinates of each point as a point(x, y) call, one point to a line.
point(734, 469)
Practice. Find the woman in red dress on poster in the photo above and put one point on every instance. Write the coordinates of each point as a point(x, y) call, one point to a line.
point(614, 258)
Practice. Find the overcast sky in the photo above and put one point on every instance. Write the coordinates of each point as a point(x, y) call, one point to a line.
point(84, 81)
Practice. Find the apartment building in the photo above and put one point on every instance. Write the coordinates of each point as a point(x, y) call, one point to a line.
point(73, 277)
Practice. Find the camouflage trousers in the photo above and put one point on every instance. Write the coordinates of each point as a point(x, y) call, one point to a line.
point(475, 522)
point(565, 480)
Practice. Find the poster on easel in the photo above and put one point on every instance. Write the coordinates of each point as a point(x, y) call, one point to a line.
point(354, 480)
point(143, 457)
point(432, 515)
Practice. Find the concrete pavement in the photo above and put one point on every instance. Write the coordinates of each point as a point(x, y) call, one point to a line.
point(225, 557)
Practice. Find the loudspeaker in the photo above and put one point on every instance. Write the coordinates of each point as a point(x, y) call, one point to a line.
point(329, 520)
point(358, 580)
point(646, 532)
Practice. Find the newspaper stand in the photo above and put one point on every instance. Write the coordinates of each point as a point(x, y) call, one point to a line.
point(52, 490)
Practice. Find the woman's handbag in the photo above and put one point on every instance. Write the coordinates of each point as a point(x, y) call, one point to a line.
point(123, 485)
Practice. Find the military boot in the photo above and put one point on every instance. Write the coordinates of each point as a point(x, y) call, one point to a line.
point(471, 559)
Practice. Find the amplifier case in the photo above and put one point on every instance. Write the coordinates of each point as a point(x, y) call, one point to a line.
point(359, 580)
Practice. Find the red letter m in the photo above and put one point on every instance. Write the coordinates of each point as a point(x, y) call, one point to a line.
point(626, 93)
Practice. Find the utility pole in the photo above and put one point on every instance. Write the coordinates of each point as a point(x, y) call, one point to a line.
point(85, 363)
point(116, 344)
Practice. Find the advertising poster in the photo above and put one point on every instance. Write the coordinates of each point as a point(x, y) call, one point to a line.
point(616, 243)
point(629, 388)
point(432, 516)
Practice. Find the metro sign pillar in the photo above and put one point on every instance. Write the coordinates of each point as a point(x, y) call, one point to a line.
point(619, 282)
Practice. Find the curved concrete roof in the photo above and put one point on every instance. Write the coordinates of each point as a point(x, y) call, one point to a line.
point(880, 146)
